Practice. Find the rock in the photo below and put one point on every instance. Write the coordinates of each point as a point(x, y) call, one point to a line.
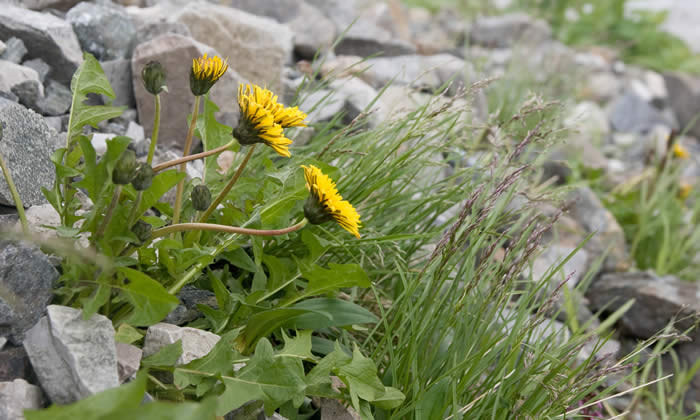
point(26, 285)
point(312, 30)
point(56, 101)
point(506, 31)
point(428, 72)
point(576, 267)
point(631, 114)
point(658, 300)
point(358, 96)
point(684, 99)
point(172, 51)
point(28, 92)
point(104, 30)
point(17, 396)
point(364, 38)
point(332, 409)
point(62, 5)
point(150, 27)
point(47, 37)
point(588, 211)
point(187, 311)
point(602, 86)
point(196, 343)
point(39, 66)
point(72, 357)
point(128, 361)
point(15, 50)
point(14, 364)
point(3, 47)
point(118, 73)
point(589, 120)
point(43, 220)
point(99, 142)
point(136, 133)
point(19, 77)
point(27, 146)
point(258, 47)
point(341, 12)
point(322, 105)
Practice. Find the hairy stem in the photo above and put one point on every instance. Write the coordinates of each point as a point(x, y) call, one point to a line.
point(183, 166)
point(15, 196)
point(219, 198)
point(182, 227)
point(156, 129)
point(174, 162)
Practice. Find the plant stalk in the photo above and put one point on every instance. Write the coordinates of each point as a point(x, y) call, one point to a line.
point(219, 198)
point(15, 196)
point(156, 129)
point(183, 227)
point(108, 215)
point(174, 162)
point(134, 210)
point(183, 166)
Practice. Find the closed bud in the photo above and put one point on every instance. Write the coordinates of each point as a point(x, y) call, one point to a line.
point(142, 230)
point(153, 75)
point(125, 169)
point(201, 197)
point(144, 177)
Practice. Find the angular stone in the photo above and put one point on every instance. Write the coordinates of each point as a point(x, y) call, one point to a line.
point(508, 30)
point(365, 38)
point(118, 73)
point(62, 5)
point(322, 105)
point(573, 270)
point(56, 101)
point(72, 357)
point(14, 364)
point(39, 66)
point(13, 75)
point(26, 284)
point(172, 51)
point(332, 409)
point(3, 47)
point(312, 30)
point(27, 146)
point(46, 36)
point(15, 50)
point(257, 47)
point(17, 396)
point(358, 96)
point(196, 343)
point(658, 300)
point(684, 99)
point(28, 92)
point(128, 361)
point(631, 114)
point(187, 311)
point(104, 30)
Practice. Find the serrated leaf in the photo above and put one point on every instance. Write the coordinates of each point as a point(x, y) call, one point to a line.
point(150, 299)
point(219, 361)
point(360, 375)
point(127, 334)
point(337, 276)
point(298, 347)
point(330, 312)
point(262, 324)
point(162, 183)
point(166, 356)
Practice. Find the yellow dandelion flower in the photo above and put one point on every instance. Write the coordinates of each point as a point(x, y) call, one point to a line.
point(325, 204)
point(263, 119)
point(680, 152)
point(205, 72)
point(684, 190)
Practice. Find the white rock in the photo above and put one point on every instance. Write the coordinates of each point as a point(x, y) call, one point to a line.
point(128, 361)
point(12, 74)
point(196, 343)
point(17, 396)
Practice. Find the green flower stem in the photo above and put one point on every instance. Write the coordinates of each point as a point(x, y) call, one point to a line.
point(219, 198)
point(219, 249)
point(108, 215)
point(134, 210)
point(183, 165)
point(156, 129)
point(15, 196)
point(183, 227)
point(174, 162)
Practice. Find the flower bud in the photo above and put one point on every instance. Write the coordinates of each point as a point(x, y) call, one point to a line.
point(205, 72)
point(201, 197)
point(144, 177)
point(125, 169)
point(153, 75)
point(142, 230)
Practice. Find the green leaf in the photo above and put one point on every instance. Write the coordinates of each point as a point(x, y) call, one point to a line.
point(93, 304)
point(95, 407)
point(150, 299)
point(330, 312)
point(127, 334)
point(166, 356)
point(274, 380)
point(431, 404)
point(262, 324)
point(391, 399)
point(98, 176)
point(162, 183)
point(164, 410)
point(299, 346)
point(322, 280)
point(240, 259)
point(219, 361)
point(360, 375)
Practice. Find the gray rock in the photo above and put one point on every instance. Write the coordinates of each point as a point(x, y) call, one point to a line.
point(196, 343)
point(171, 51)
point(312, 30)
point(39, 66)
point(258, 47)
point(684, 99)
point(118, 73)
point(62, 5)
point(505, 31)
point(358, 97)
point(26, 284)
point(574, 269)
point(56, 101)
point(154, 27)
point(322, 105)
point(73, 357)
point(631, 114)
point(365, 38)
point(603, 86)
point(104, 30)
point(187, 311)
point(136, 132)
point(28, 92)
point(17, 396)
point(12, 75)
point(27, 146)
point(658, 300)
point(128, 361)
point(3, 47)
point(332, 409)
point(46, 36)
point(341, 12)
point(14, 364)
point(15, 50)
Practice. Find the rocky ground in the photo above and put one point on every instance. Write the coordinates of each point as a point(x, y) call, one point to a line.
point(50, 354)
